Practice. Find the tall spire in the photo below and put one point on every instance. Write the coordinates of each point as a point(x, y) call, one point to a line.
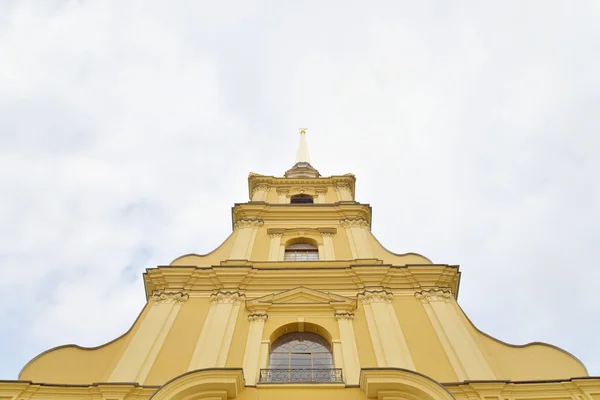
point(302, 168)
point(302, 155)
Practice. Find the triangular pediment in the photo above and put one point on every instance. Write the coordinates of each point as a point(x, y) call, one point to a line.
point(301, 297)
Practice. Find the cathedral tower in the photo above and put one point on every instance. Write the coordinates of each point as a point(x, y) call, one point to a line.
point(302, 301)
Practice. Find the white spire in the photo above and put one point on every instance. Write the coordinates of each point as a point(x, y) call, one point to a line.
point(302, 155)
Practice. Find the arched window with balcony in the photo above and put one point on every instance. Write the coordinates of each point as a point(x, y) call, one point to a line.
point(301, 357)
point(301, 252)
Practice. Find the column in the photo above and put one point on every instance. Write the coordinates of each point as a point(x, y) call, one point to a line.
point(357, 231)
point(464, 354)
point(138, 358)
point(328, 249)
point(321, 192)
point(351, 362)
point(214, 342)
point(283, 195)
point(275, 245)
point(259, 193)
point(344, 192)
point(390, 345)
point(244, 241)
point(251, 363)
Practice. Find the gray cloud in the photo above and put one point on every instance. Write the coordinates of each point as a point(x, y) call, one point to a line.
point(127, 130)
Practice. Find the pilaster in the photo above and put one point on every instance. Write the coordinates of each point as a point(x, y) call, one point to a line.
point(214, 341)
point(464, 354)
point(328, 249)
point(259, 193)
point(321, 192)
point(357, 231)
point(388, 339)
point(137, 360)
point(244, 242)
point(275, 245)
point(349, 350)
point(251, 363)
point(344, 192)
point(282, 194)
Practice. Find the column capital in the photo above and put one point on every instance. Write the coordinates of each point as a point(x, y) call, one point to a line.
point(257, 317)
point(248, 223)
point(260, 186)
point(344, 316)
point(281, 190)
point(350, 222)
point(223, 297)
point(275, 232)
point(434, 294)
point(169, 297)
point(376, 296)
point(321, 190)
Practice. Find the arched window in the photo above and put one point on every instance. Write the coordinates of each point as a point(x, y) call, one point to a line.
point(301, 357)
point(302, 199)
point(301, 252)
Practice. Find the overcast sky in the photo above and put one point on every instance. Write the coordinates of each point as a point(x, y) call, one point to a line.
point(128, 129)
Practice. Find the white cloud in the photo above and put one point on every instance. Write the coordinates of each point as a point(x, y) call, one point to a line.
point(127, 130)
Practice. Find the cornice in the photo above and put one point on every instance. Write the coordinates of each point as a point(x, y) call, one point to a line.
point(266, 277)
point(256, 179)
point(333, 212)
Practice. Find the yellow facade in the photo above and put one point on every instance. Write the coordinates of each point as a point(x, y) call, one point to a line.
point(389, 324)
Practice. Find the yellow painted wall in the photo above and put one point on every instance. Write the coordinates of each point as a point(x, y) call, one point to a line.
point(176, 353)
point(425, 348)
point(366, 353)
point(213, 258)
point(308, 392)
point(235, 358)
point(537, 361)
point(79, 365)
point(260, 251)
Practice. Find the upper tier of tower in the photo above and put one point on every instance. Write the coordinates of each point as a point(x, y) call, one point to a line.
point(301, 184)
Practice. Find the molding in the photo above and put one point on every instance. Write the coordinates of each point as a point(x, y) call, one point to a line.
point(399, 383)
point(313, 300)
point(257, 317)
point(351, 222)
point(248, 223)
point(169, 297)
point(222, 297)
point(325, 276)
point(435, 294)
point(344, 315)
point(375, 296)
point(213, 383)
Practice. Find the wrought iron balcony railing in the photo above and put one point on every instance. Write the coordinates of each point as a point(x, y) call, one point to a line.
point(305, 375)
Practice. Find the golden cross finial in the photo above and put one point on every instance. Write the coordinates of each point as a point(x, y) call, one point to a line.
point(303, 131)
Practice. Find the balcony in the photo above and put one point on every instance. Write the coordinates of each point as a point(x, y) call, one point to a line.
point(301, 375)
